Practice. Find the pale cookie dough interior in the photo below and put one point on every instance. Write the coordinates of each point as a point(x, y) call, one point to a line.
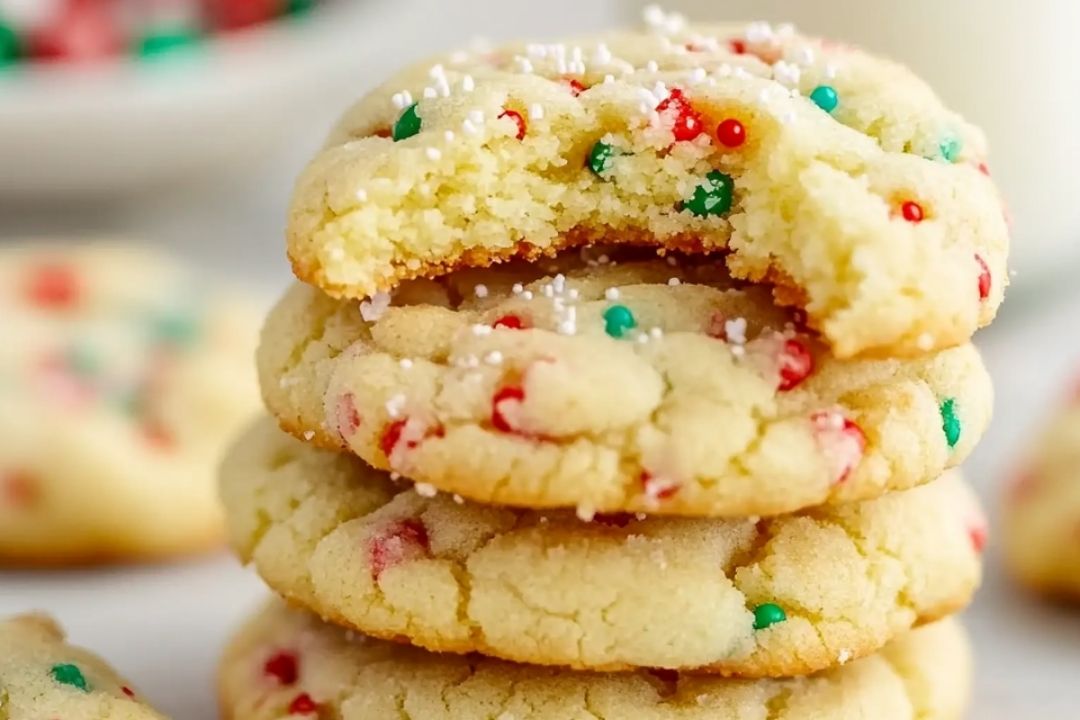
point(42, 677)
point(121, 380)
point(838, 177)
point(791, 595)
point(283, 659)
point(635, 384)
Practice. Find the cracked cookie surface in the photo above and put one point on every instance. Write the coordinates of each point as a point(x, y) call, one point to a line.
point(1041, 513)
point(41, 676)
point(837, 177)
point(283, 655)
point(638, 384)
point(789, 595)
point(121, 380)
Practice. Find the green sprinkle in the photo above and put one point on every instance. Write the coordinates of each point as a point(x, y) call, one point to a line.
point(949, 422)
point(10, 47)
point(167, 40)
point(713, 197)
point(299, 7)
point(67, 674)
point(768, 615)
point(176, 329)
point(408, 124)
point(950, 148)
point(825, 97)
point(601, 158)
point(617, 320)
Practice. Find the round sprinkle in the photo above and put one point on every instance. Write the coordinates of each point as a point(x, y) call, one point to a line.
point(984, 278)
point(282, 667)
point(950, 423)
point(950, 148)
point(768, 615)
point(825, 97)
point(600, 158)
point(617, 320)
point(712, 197)
point(731, 133)
point(518, 120)
point(407, 124)
point(54, 286)
point(510, 322)
point(68, 674)
point(912, 211)
point(737, 46)
point(302, 704)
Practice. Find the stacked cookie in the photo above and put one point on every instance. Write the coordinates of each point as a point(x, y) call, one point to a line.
point(638, 365)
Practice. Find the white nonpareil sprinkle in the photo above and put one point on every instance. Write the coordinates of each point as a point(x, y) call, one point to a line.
point(527, 295)
point(735, 330)
point(671, 260)
point(517, 288)
point(651, 66)
point(612, 293)
point(602, 55)
point(536, 111)
point(585, 513)
point(656, 333)
point(481, 290)
point(524, 65)
point(373, 308)
point(448, 136)
point(406, 363)
point(430, 93)
point(925, 341)
point(697, 75)
point(433, 153)
point(337, 253)
point(395, 405)
point(481, 330)
point(830, 71)
point(395, 476)
point(468, 84)
point(426, 490)
point(844, 656)
point(674, 282)
point(759, 32)
point(494, 358)
point(786, 73)
point(468, 128)
point(458, 499)
point(476, 116)
point(309, 435)
point(361, 195)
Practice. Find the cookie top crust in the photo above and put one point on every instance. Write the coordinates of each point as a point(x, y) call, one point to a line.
point(836, 177)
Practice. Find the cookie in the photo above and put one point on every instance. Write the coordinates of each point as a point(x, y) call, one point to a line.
point(1041, 514)
point(284, 661)
point(632, 385)
point(121, 380)
point(834, 176)
point(747, 597)
point(42, 677)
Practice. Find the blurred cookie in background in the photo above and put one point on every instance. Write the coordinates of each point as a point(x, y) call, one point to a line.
point(1041, 512)
point(122, 377)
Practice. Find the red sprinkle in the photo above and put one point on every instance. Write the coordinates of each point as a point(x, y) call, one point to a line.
point(80, 31)
point(402, 540)
point(302, 704)
point(128, 691)
point(53, 286)
point(984, 169)
point(912, 211)
point(348, 417)
point(984, 278)
point(18, 489)
point(576, 87)
point(845, 445)
point(658, 488)
point(157, 435)
point(511, 395)
point(517, 118)
point(737, 46)
point(731, 133)
point(510, 322)
point(283, 668)
point(978, 538)
point(796, 364)
point(686, 121)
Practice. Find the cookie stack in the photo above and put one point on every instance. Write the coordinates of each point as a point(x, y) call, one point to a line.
point(638, 365)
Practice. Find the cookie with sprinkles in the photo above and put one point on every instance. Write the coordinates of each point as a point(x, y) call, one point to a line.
point(748, 597)
point(1041, 511)
point(120, 382)
point(837, 178)
point(925, 675)
point(613, 383)
point(41, 677)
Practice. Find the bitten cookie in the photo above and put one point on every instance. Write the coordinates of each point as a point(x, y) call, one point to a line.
point(837, 177)
point(626, 385)
point(1041, 514)
point(121, 380)
point(42, 677)
point(747, 597)
point(285, 663)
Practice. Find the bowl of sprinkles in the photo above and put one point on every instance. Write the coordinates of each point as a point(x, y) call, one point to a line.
point(105, 97)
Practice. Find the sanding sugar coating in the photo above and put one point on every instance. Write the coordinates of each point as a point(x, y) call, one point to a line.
point(625, 385)
point(283, 659)
point(341, 539)
point(837, 177)
point(41, 676)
